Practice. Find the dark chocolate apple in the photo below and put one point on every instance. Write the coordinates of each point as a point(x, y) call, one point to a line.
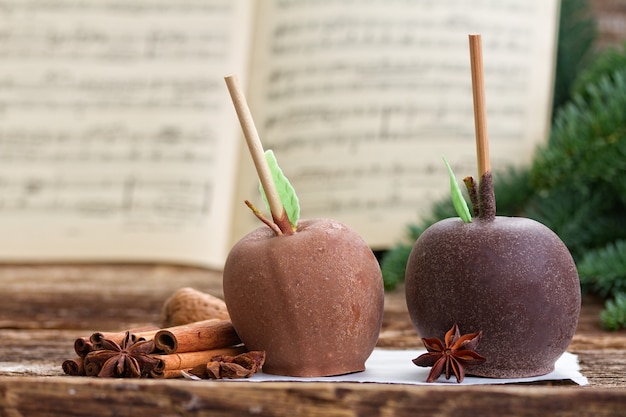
point(511, 278)
point(313, 300)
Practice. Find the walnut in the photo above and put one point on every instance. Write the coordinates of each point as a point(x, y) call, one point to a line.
point(188, 305)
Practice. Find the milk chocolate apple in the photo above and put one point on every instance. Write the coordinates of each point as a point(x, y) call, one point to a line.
point(511, 278)
point(309, 293)
point(312, 300)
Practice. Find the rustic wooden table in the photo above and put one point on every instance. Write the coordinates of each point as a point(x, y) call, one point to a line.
point(44, 308)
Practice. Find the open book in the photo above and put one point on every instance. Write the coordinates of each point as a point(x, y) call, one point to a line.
point(119, 142)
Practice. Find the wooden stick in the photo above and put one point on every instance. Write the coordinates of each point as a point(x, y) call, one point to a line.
point(480, 114)
point(199, 336)
point(258, 155)
point(189, 360)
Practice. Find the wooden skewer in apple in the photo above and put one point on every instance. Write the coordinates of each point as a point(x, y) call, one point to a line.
point(307, 292)
point(279, 214)
point(511, 278)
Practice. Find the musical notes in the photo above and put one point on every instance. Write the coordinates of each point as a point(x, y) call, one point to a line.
point(81, 31)
point(112, 123)
point(114, 120)
point(106, 197)
point(108, 143)
point(351, 93)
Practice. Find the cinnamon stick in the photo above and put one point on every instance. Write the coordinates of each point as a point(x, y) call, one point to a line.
point(82, 346)
point(168, 374)
point(198, 336)
point(146, 333)
point(188, 360)
point(74, 367)
point(92, 368)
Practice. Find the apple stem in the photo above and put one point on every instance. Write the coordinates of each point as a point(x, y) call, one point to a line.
point(264, 219)
point(486, 196)
point(472, 190)
point(279, 215)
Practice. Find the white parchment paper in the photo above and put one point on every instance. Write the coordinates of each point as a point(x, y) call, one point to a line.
point(396, 367)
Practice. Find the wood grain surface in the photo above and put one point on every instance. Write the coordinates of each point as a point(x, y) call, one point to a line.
point(45, 307)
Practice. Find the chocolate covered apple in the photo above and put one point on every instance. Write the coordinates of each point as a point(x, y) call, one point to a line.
point(307, 292)
point(511, 278)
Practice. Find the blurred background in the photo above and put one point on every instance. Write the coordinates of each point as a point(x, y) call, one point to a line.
point(576, 184)
point(611, 21)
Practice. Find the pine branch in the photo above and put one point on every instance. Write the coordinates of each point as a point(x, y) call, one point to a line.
point(393, 265)
point(577, 33)
point(603, 271)
point(601, 65)
point(588, 140)
point(614, 315)
point(583, 219)
point(513, 191)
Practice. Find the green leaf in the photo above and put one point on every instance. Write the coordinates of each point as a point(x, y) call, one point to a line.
point(286, 192)
point(460, 205)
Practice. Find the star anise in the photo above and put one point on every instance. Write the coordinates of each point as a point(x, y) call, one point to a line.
point(452, 357)
point(231, 367)
point(129, 359)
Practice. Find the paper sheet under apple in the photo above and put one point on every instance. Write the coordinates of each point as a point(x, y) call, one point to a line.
point(396, 367)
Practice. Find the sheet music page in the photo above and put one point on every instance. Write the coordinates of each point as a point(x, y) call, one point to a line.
point(361, 100)
point(117, 138)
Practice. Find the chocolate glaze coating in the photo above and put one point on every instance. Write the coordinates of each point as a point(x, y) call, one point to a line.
point(512, 278)
point(313, 300)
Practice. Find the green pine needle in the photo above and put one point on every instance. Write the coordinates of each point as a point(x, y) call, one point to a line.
point(603, 271)
point(614, 315)
point(393, 266)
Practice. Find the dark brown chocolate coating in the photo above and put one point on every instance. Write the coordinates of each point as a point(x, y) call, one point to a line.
point(512, 278)
point(313, 300)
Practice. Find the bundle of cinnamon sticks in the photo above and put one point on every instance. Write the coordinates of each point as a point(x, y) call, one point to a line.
point(208, 348)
